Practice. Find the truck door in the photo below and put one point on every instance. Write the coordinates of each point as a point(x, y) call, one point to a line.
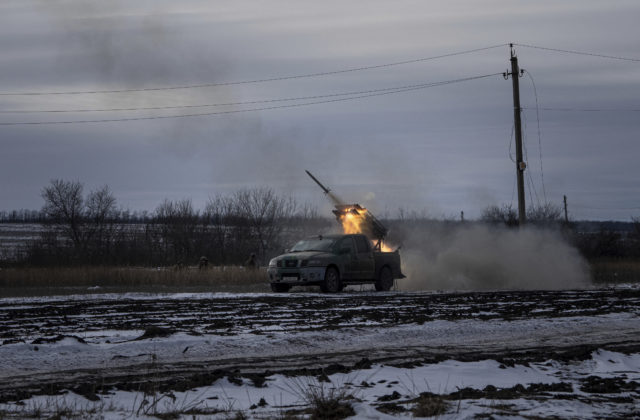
point(365, 261)
point(348, 258)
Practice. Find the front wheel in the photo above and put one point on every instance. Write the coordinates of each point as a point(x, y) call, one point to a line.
point(280, 287)
point(385, 280)
point(332, 283)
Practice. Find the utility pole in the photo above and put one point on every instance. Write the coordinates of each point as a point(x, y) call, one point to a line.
point(520, 164)
point(566, 215)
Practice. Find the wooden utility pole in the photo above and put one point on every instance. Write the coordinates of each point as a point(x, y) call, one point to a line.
point(566, 215)
point(520, 164)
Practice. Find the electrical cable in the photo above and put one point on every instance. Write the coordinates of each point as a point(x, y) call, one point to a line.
point(528, 178)
point(526, 159)
point(251, 109)
point(513, 189)
point(511, 138)
point(270, 79)
point(588, 109)
point(579, 52)
point(299, 98)
point(535, 192)
point(535, 93)
point(604, 208)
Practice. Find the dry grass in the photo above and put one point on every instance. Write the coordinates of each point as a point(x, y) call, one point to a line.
point(62, 280)
point(615, 271)
point(324, 401)
point(429, 405)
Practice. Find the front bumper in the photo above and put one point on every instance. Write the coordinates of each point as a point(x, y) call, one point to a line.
point(296, 276)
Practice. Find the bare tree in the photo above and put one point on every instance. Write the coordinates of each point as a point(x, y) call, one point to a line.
point(544, 214)
point(63, 205)
point(100, 212)
point(221, 213)
point(307, 221)
point(500, 215)
point(266, 213)
point(176, 222)
point(87, 224)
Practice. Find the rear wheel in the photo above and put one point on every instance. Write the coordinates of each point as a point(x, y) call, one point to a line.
point(332, 283)
point(385, 280)
point(280, 287)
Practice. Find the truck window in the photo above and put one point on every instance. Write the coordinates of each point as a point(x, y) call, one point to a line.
point(345, 243)
point(362, 244)
point(314, 244)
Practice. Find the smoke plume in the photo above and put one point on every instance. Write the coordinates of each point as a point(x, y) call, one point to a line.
point(476, 257)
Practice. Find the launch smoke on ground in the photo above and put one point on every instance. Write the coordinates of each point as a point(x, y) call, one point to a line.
point(483, 257)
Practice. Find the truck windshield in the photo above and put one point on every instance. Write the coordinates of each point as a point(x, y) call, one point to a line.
point(315, 244)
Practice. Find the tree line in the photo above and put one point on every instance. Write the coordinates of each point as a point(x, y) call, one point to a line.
point(600, 240)
point(90, 229)
point(80, 229)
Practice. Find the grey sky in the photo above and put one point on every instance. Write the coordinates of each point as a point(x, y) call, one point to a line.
point(437, 151)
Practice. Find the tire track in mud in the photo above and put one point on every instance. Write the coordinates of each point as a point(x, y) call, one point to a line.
point(233, 315)
point(41, 320)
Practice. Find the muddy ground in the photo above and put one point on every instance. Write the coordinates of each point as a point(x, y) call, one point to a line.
point(37, 323)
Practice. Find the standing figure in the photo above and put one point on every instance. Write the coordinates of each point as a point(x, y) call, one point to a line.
point(204, 263)
point(251, 263)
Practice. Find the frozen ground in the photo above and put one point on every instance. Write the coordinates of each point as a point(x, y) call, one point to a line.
point(570, 354)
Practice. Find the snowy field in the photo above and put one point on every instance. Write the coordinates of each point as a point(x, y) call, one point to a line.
point(501, 354)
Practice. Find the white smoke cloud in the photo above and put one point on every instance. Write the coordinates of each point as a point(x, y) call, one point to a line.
point(476, 257)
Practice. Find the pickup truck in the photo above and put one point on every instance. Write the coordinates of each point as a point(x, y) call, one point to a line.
point(333, 261)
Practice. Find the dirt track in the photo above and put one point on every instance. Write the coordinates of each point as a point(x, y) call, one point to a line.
point(232, 317)
point(300, 312)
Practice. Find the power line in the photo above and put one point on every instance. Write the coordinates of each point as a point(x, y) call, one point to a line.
point(511, 138)
point(447, 82)
point(587, 109)
point(529, 178)
point(420, 85)
point(604, 208)
point(535, 92)
point(270, 79)
point(614, 57)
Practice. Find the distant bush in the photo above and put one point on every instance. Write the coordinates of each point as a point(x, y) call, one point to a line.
point(547, 215)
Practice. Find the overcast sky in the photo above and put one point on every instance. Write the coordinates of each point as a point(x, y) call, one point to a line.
point(436, 151)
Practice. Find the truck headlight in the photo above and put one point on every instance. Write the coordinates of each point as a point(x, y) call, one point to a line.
point(272, 262)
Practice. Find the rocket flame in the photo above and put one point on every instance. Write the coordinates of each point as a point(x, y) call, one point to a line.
point(385, 248)
point(353, 220)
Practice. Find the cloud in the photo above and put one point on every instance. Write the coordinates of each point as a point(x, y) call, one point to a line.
point(434, 148)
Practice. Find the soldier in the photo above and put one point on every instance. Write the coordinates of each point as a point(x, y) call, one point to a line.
point(204, 263)
point(251, 263)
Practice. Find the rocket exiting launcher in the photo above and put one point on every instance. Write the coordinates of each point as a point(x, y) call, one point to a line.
point(362, 219)
point(368, 224)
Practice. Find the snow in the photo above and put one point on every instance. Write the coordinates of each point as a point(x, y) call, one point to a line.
point(607, 364)
point(123, 349)
point(282, 393)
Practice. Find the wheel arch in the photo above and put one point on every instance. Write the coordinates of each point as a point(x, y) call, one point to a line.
point(333, 265)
